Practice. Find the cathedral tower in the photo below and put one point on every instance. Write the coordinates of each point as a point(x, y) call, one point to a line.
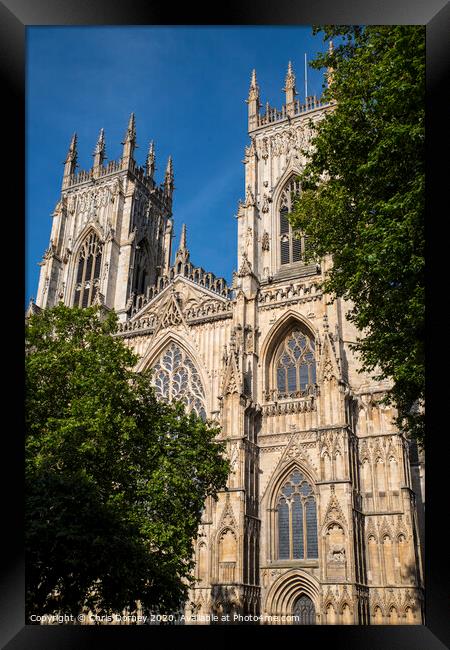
point(112, 230)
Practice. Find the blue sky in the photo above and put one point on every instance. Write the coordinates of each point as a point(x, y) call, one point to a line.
point(187, 87)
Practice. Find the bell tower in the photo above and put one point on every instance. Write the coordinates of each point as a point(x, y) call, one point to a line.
point(112, 230)
point(273, 159)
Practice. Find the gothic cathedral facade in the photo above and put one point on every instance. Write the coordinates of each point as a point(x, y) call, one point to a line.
point(322, 518)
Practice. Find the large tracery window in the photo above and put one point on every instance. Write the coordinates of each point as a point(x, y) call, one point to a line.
point(292, 242)
point(297, 519)
point(88, 271)
point(176, 378)
point(295, 365)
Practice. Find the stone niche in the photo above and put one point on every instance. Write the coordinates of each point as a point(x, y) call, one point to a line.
point(227, 556)
point(336, 560)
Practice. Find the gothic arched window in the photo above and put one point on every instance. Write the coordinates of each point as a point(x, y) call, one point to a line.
point(304, 611)
point(295, 365)
point(88, 271)
point(297, 519)
point(176, 378)
point(292, 242)
point(141, 266)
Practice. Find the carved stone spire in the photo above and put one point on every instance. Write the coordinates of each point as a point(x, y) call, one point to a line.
point(129, 144)
point(330, 70)
point(182, 254)
point(253, 102)
point(70, 163)
point(289, 89)
point(150, 164)
point(253, 93)
point(168, 179)
point(289, 83)
point(183, 237)
point(72, 154)
point(99, 152)
point(130, 135)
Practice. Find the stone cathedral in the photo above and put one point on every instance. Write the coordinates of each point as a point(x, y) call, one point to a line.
point(322, 518)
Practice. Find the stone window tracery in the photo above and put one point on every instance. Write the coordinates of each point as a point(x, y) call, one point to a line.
point(295, 365)
point(176, 378)
point(297, 519)
point(88, 271)
point(304, 611)
point(292, 242)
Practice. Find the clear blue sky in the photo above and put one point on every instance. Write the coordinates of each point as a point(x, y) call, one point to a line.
point(187, 87)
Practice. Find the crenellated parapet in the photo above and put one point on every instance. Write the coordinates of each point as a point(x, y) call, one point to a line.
point(290, 109)
point(183, 267)
point(126, 164)
point(193, 273)
point(272, 115)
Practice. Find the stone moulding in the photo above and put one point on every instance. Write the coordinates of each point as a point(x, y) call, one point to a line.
point(284, 408)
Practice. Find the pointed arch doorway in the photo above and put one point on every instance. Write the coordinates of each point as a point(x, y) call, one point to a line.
point(304, 612)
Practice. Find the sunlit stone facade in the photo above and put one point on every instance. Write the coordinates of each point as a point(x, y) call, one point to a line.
point(322, 518)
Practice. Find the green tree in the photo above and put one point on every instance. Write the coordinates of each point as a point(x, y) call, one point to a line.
point(362, 200)
point(115, 480)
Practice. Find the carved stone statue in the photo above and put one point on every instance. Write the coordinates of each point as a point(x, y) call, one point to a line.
point(265, 241)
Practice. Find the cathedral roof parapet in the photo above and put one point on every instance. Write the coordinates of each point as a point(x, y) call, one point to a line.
point(115, 167)
point(291, 108)
point(126, 164)
point(187, 270)
point(272, 115)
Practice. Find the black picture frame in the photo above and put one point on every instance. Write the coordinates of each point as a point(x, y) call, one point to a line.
point(15, 16)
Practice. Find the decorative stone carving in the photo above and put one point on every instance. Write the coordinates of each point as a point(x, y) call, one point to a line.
point(265, 203)
point(249, 198)
point(249, 339)
point(246, 267)
point(265, 148)
point(227, 518)
point(233, 457)
point(336, 551)
point(334, 510)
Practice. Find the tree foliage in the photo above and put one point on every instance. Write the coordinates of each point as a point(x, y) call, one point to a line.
point(362, 200)
point(115, 480)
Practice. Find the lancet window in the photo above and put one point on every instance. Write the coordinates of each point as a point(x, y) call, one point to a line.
point(88, 271)
point(297, 519)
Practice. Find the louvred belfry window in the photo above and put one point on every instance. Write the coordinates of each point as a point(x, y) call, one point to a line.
point(88, 271)
point(292, 242)
point(297, 520)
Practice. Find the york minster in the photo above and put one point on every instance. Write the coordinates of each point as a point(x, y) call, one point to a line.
point(322, 518)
